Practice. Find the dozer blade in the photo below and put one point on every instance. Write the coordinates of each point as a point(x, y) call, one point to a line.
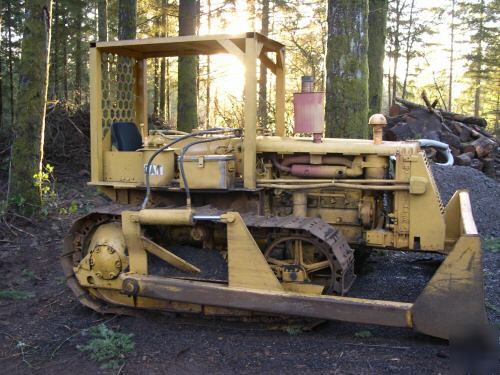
point(452, 303)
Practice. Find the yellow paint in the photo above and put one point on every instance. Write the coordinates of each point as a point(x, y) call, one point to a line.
point(425, 210)
point(417, 222)
point(209, 172)
point(247, 266)
point(303, 288)
point(132, 233)
point(163, 216)
point(249, 147)
point(95, 115)
point(122, 166)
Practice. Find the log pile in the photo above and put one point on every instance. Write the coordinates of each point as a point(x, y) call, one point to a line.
point(470, 143)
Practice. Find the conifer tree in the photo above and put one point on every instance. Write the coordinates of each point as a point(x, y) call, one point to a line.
point(377, 21)
point(187, 99)
point(27, 148)
point(347, 69)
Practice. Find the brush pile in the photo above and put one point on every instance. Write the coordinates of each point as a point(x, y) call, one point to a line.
point(67, 138)
point(469, 142)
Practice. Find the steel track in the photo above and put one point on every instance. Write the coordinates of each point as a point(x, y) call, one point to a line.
point(80, 233)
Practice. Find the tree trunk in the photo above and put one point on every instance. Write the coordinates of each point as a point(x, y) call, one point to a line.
point(11, 62)
point(389, 54)
point(102, 23)
point(167, 72)
point(347, 69)
point(162, 90)
point(262, 110)
point(167, 94)
point(452, 46)
point(409, 47)
point(163, 28)
point(27, 149)
point(156, 80)
point(55, 56)
point(197, 32)
point(156, 71)
point(477, 93)
point(65, 58)
point(187, 113)
point(102, 36)
point(324, 37)
point(477, 99)
point(78, 52)
point(399, 10)
point(1, 80)
point(377, 21)
point(126, 19)
point(496, 128)
point(251, 14)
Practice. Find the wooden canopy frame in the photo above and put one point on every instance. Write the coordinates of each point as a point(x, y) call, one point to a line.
point(248, 48)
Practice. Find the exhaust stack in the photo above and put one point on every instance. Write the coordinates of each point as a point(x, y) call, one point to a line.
point(309, 110)
point(378, 122)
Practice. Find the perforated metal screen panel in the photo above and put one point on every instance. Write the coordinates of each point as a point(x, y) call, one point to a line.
point(118, 95)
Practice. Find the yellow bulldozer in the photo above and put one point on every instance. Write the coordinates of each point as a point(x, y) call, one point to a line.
point(286, 215)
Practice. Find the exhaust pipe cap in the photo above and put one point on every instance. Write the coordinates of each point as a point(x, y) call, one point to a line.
point(378, 122)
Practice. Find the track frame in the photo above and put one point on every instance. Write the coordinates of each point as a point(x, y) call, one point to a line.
point(451, 303)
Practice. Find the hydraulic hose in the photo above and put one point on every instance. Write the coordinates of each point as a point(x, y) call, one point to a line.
point(333, 185)
point(163, 148)
point(175, 132)
point(443, 147)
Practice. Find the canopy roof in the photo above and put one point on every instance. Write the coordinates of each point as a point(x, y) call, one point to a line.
point(184, 45)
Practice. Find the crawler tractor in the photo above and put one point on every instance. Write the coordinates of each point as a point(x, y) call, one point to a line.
point(233, 221)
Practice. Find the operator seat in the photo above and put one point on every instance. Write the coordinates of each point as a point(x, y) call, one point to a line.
point(125, 136)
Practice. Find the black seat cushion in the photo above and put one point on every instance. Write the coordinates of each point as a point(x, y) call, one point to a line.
point(125, 136)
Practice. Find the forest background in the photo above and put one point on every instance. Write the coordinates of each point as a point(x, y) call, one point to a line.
point(450, 50)
point(363, 53)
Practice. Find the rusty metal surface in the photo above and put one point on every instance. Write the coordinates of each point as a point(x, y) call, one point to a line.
point(323, 307)
point(451, 304)
point(316, 228)
point(309, 112)
point(74, 245)
point(74, 251)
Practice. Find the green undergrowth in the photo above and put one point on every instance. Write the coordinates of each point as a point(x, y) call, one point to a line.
point(50, 203)
point(293, 330)
point(28, 274)
point(491, 244)
point(363, 334)
point(108, 347)
point(492, 307)
point(15, 294)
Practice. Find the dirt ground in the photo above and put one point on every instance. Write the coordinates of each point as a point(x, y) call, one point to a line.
point(41, 333)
